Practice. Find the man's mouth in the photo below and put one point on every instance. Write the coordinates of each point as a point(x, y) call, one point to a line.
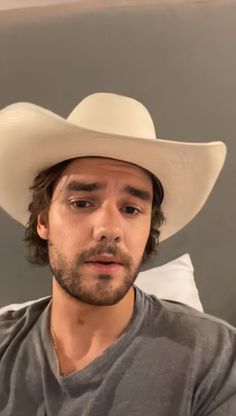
point(104, 260)
point(104, 263)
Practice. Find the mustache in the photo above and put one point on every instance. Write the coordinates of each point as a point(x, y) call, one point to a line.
point(105, 249)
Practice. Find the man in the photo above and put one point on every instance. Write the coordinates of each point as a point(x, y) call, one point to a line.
point(97, 192)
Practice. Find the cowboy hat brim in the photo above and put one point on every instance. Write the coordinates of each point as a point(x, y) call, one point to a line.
point(33, 139)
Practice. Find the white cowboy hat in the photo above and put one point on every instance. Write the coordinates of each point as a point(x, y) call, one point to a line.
point(106, 125)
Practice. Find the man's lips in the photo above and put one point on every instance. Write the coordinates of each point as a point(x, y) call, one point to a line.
point(104, 263)
point(104, 260)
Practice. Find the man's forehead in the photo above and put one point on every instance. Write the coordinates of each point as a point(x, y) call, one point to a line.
point(95, 173)
point(89, 164)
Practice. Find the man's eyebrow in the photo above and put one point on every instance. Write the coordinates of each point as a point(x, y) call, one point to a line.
point(138, 193)
point(84, 186)
point(74, 186)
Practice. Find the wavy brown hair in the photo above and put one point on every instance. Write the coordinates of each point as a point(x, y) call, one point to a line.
point(42, 191)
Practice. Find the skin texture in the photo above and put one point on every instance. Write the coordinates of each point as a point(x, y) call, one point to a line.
point(92, 302)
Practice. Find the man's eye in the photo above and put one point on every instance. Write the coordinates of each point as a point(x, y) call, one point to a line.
point(131, 210)
point(81, 204)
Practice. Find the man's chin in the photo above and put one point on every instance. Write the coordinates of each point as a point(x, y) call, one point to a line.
point(103, 293)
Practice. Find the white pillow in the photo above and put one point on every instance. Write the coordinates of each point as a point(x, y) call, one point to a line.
point(173, 281)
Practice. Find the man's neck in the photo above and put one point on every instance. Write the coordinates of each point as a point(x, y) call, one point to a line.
point(82, 331)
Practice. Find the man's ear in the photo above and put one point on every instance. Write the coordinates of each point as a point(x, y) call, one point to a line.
point(42, 226)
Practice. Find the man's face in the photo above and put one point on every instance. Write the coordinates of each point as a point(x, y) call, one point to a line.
point(97, 228)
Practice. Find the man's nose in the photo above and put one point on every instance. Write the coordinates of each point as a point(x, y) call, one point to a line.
point(107, 226)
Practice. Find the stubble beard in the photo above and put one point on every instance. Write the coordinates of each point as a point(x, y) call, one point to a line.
point(96, 290)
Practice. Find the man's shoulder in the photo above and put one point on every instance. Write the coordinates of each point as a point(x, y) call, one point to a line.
point(15, 311)
point(198, 327)
point(18, 317)
point(188, 313)
point(22, 305)
point(184, 324)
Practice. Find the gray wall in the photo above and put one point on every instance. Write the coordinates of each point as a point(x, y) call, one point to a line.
point(179, 59)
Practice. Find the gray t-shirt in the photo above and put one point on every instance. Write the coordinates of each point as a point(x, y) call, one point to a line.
point(170, 361)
